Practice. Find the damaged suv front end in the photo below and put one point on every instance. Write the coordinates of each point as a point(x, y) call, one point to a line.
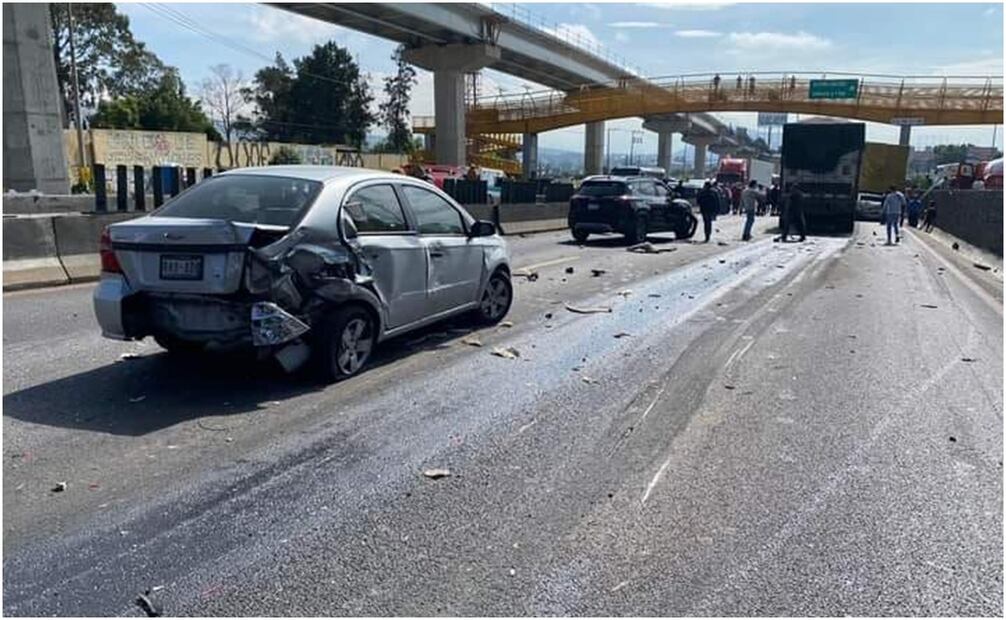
point(255, 260)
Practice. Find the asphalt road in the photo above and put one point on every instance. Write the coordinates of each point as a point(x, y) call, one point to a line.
point(754, 429)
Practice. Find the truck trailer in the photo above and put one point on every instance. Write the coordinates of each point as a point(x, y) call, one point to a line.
point(739, 170)
point(824, 158)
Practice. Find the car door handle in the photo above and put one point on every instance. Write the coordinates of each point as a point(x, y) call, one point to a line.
point(436, 253)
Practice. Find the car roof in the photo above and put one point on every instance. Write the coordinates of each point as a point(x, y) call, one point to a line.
point(323, 174)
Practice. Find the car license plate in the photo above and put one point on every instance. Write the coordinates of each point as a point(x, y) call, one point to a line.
point(593, 205)
point(181, 267)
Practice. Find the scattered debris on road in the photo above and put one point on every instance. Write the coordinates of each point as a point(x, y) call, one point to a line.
point(929, 305)
point(436, 472)
point(588, 380)
point(570, 270)
point(138, 399)
point(953, 439)
point(956, 246)
point(548, 315)
point(982, 267)
point(471, 341)
point(969, 359)
point(508, 353)
point(130, 356)
point(59, 488)
point(506, 324)
point(730, 387)
point(623, 335)
point(598, 310)
point(722, 243)
point(654, 295)
point(597, 273)
point(648, 248)
point(625, 293)
point(531, 276)
point(148, 606)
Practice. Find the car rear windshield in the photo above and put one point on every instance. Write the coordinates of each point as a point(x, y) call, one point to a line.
point(603, 188)
point(254, 199)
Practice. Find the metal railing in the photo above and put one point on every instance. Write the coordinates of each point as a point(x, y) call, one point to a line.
point(896, 93)
point(562, 32)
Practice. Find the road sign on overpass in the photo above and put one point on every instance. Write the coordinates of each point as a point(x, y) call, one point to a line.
point(833, 89)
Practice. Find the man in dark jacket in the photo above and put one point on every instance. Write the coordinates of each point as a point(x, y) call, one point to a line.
point(709, 206)
point(793, 213)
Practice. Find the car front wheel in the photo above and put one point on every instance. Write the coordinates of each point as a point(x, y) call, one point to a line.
point(580, 235)
point(496, 299)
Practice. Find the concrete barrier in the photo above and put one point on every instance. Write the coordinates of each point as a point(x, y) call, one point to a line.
point(46, 250)
point(77, 242)
point(975, 216)
point(30, 257)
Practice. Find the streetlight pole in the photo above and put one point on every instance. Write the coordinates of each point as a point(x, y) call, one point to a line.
point(607, 152)
point(76, 88)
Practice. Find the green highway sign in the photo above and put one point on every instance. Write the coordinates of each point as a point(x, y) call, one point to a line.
point(834, 89)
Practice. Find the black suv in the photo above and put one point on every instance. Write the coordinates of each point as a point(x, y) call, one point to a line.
point(633, 206)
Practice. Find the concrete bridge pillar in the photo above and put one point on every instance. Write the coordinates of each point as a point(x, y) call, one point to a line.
point(449, 64)
point(701, 147)
point(905, 138)
point(593, 152)
point(33, 155)
point(665, 142)
point(529, 155)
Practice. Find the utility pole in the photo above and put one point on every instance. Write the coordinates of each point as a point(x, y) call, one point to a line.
point(607, 152)
point(636, 137)
point(76, 89)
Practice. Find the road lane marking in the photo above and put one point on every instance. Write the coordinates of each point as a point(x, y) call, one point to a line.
point(548, 263)
point(656, 479)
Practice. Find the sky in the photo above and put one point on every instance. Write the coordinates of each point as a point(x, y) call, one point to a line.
point(657, 39)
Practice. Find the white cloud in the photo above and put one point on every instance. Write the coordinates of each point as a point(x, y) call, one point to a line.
point(636, 25)
point(575, 34)
point(696, 34)
point(268, 24)
point(688, 6)
point(990, 65)
point(778, 41)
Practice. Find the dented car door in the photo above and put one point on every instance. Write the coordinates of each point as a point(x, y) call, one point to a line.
point(389, 244)
point(454, 259)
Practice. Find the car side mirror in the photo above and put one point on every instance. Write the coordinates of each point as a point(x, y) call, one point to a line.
point(482, 228)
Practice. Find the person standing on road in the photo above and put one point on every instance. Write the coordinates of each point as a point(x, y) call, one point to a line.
point(914, 209)
point(749, 203)
point(773, 199)
point(793, 214)
point(892, 209)
point(709, 206)
point(930, 216)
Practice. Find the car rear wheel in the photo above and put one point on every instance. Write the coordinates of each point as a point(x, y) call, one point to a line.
point(580, 235)
point(496, 299)
point(638, 232)
point(346, 343)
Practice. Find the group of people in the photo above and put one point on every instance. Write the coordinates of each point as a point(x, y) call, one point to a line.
point(896, 207)
point(752, 200)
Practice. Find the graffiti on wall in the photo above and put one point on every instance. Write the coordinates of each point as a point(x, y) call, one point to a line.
point(148, 148)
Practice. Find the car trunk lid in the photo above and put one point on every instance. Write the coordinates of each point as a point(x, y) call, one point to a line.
point(186, 255)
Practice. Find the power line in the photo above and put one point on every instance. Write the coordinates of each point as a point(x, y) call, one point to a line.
point(185, 22)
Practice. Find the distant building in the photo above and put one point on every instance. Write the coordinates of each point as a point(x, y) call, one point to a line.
point(921, 161)
point(976, 154)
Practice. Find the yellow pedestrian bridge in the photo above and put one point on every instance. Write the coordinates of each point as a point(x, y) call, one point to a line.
point(900, 100)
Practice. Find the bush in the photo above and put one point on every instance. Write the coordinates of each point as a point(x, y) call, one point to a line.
point(285, 155)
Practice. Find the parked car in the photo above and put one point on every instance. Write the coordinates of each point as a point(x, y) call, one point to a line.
point(869, 206)
point(299, 262)
point(633, 206)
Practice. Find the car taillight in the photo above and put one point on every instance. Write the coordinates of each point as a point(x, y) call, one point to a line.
point(109, 263)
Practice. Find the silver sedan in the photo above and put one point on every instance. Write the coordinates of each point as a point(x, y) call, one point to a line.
point(299, 262)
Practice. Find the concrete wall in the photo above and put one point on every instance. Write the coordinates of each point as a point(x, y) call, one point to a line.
point(974, 216)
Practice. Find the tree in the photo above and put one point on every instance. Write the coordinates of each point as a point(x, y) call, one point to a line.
point(950, 153)
point(394, 111)
point(323, 99)
point(222, 95)
point(163, 108)
point(110, 62)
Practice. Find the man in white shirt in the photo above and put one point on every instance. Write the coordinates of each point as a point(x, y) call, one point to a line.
point(893, 206)
point(750, 198)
